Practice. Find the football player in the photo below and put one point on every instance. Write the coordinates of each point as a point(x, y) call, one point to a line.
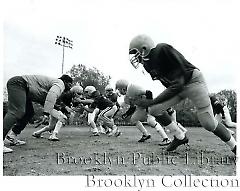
point(106, 108)
point(182, 80)
point(63, 105)
point(91, 116)
point(140, 114)
point(113, 97)
point(222, 113)
point(22, 91)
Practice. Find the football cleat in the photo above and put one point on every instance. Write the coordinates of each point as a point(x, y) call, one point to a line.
point(7, 150)
point(113, 132)
point(177, 142)
point(117, 134)
point(95, 134)
point(144, 138)
point(165, 142)
point(13, 141)
point(53, 137)
point(36, 135)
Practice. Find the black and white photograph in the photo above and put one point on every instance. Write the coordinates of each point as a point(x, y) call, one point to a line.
point(120, 94)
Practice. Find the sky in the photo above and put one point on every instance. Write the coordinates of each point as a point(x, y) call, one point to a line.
point(205, 32)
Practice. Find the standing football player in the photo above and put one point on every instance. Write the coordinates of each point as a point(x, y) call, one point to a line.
point(182, 80)
point(22, 91)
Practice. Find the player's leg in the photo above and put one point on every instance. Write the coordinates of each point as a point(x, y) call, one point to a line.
point(173, 114)
point(11, 138)
point(198, 93)
point(92, 124)
point(136, 119)
point(154, 124)
point(205, 116)
point(99, 123)
point(160, 114)
point(49, 127)
point(16, 106)
point(106, 116)
point(219, 119)
point(53, 136)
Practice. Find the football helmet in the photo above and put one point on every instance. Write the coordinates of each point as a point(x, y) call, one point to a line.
point(139, 48)
point(89, 90)
point(108, 90)
point(121, 86)
point(134, 91)
point(77, 89)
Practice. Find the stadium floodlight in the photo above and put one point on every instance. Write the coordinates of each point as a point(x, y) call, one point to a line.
point(65, 43)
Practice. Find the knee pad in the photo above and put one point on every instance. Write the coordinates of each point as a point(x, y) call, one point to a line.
point(164, 119)
point(206, 118)
point(151, 121)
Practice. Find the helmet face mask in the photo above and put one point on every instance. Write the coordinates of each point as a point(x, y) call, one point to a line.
point(139, 48)
point(121, 86)
point(88, 91)
point(135, 57)
point(108, 90)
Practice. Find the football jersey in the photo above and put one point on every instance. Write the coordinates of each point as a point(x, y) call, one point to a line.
point(101, 103)
point(168, 64)
point(44, 90)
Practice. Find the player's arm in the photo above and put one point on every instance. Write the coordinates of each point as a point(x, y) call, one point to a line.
point(84, 101)
point(53, 94)
point(91, 108)
point(129, 112)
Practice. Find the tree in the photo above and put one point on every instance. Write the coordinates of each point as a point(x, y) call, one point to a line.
point(89, 76)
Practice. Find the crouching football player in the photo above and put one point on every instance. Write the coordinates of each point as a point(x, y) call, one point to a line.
point(63, 105)
point(107, 109)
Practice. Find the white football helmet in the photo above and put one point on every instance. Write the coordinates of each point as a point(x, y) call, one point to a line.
point(121, 86)
point(134, 91)
point(77, 89)
point(89, 90)
point(108, 90)
point(139, 48)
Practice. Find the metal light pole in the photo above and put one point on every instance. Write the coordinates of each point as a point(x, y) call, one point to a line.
point(64, 42)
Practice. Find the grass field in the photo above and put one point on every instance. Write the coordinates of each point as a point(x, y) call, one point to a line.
point(79, 154)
